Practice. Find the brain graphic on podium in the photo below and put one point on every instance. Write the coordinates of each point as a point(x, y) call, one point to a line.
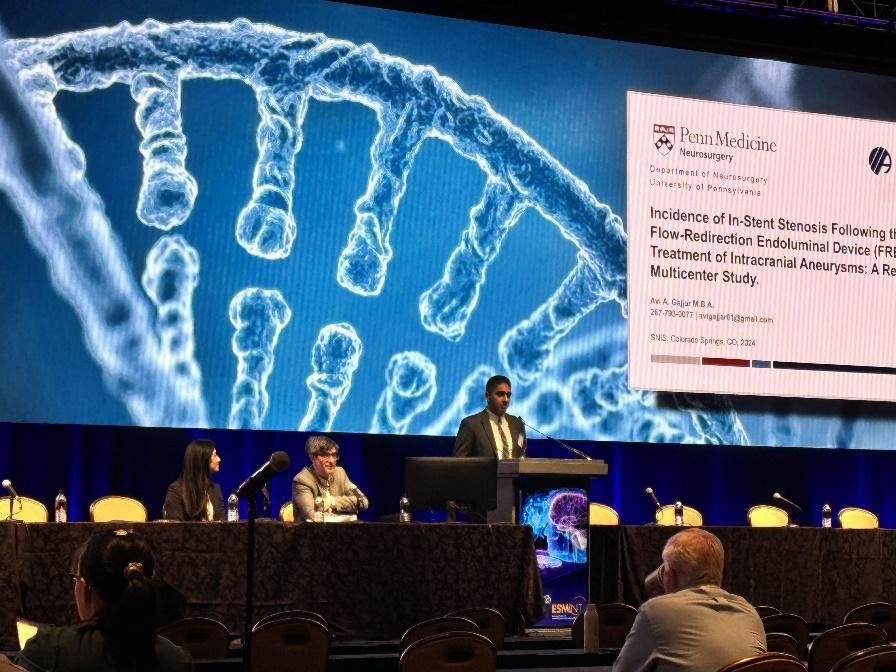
point(144, 341)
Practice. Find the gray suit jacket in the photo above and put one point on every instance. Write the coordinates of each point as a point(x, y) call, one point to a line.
point(305, 487)
point(476, 439)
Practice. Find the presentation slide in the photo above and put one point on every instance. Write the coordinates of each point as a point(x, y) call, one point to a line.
point(762, 247)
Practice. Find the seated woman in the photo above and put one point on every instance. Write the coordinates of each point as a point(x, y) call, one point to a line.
point(116, 599)
point(193, 496)
point(323, 480)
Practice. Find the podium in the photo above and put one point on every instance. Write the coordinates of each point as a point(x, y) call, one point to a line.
point(572, 473)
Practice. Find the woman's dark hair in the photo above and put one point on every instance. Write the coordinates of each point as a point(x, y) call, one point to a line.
point(195, 479)
point(119, 566)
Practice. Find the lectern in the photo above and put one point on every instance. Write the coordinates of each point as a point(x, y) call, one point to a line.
point(542, 472)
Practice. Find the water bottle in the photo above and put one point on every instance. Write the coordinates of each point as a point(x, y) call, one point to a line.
point(592, 628)
point(61, 505)
point(318, 509)
point(404, 510)
point(233, 508)
point(826, 515)
point(679, 514)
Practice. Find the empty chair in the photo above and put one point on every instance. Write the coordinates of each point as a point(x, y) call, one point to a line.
point(835, 644)
point(436, 626)
point(450, 652)
point(781, 642)
point(854, 518)
point(292, 613)
point(765, 610)
point(881, 614)
point(23, 508)
point(876, 659)
point(278, 646)
point(489, 621)
point(204, 638)
point(286, 513)
point(790, 624)
point(767, 662)
point(666, 516)
point(765, 515)
point(601, 514)
point(116, 507)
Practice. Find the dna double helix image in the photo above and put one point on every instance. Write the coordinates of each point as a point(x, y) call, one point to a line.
point(385, 313)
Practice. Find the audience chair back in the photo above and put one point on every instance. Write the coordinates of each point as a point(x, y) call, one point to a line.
point(666, 516)
point(881, 614)
point(578, 632)
point(766, 515)
point(436, 626)
point(875, 659)
point(854, 518)
point(790, 624)
point(286, 513)
point(835, 644)
point(6, 665)
point(450, 652)
point(781, 642)
point(601, 514)
point(25, 509)
point(115, 507)
point(767, 662)
point(614, 622)
point(204, 638)
point(489, 621)
point(765, 610)
point(292, 613)
point(284, 645)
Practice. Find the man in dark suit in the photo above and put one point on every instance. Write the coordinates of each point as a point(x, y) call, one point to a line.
point(492, 432)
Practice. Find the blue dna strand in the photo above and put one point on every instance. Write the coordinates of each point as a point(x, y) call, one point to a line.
point(334, 360)
point(410, 390)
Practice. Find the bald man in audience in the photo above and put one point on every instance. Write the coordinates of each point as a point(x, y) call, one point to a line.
point(692, 624)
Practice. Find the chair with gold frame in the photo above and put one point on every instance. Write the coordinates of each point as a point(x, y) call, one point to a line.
point(854, 518)
point(286, 513)
point(666, 516)
point(766, 515)
point(25, 509)
point(115, 507)
point(601, 514)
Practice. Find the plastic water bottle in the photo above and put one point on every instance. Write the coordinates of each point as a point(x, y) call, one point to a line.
point(679, 514)
point(61, 505)
point(592, 628)
point(233, 508)
point(826, 515)
point(404, 510)
point(318, 509)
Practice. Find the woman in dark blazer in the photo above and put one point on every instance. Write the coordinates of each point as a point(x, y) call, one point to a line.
point(193, 496)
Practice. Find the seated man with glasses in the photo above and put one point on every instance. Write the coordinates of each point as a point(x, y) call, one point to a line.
point(325, 483)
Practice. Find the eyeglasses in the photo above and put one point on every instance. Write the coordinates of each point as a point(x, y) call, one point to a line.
point(328, 456)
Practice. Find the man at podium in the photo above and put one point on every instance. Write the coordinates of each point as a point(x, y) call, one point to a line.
point(492, 432)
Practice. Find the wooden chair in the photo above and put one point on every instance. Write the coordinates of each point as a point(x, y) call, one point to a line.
point(278, 645)
point(204, 638)
point(666, 516)
point(6, 665)
point(767, 662)
point(875, 659)
point(489, 621)
point(436, 626)
point(854, 518)
point(881, 614)
point(450, 652)
point(292, 613)
point(781, 642)
point(765, 515)
point(835, 644)
point(790, 624)
point(286, 513)
point(25, 509)
point(601, 514)
point(115, 508)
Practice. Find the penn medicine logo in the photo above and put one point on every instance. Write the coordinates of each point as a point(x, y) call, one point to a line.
point(880, 160)
point(663, 138)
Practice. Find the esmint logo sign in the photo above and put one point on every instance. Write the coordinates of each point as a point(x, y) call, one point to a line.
point(879, 160)
point(663, 138)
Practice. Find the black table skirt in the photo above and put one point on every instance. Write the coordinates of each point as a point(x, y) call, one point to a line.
point(371, 581)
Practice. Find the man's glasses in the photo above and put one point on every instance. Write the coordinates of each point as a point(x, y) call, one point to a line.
point(329, 456)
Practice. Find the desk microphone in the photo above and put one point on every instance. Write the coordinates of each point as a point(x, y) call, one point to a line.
point(11, 490)
point(575, 451)
point(652, 495)
point(781, 498)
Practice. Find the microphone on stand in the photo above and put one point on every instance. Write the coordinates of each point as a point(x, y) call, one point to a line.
point(575, 451)
point(652, 495)
point(11, 490)
point(781, 498)
point(249, 488)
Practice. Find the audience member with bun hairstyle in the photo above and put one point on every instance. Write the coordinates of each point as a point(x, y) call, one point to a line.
point(116, 598)
point(193, 496)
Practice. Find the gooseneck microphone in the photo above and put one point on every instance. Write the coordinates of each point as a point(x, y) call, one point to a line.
point(575, 451)
point(11, 490)
point(781, 498)
point(249, 488)
point(652, 495)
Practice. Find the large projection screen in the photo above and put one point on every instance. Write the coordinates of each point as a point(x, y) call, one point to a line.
point(326, 217)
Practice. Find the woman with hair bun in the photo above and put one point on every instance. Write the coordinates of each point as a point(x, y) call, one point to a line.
point(193, 496)
point(116, 599)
